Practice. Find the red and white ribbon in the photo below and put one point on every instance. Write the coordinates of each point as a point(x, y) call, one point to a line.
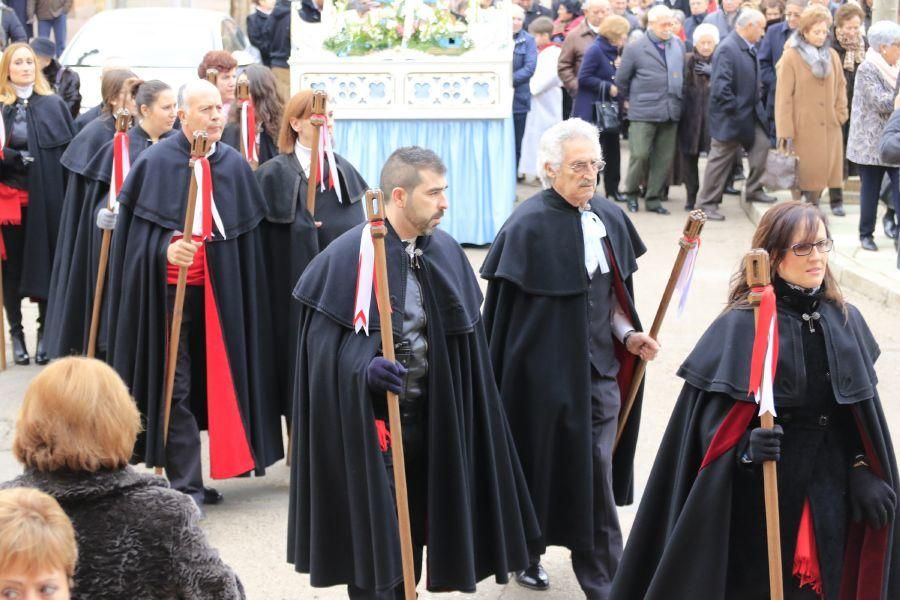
point(365, 279)
point(120, 167)
point(765, 352)
point(207, 213)
point(326, 150)
point(686, 277)
point(248, 131)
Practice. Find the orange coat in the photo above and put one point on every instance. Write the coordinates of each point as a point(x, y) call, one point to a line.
point(811, 111)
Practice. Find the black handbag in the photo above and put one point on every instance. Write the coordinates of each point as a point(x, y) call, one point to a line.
point(606, 113)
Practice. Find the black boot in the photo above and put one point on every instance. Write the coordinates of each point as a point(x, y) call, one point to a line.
point(889, 221)
point(836, 199)
point(691, 202)
point(40, 355)
point(20, 352)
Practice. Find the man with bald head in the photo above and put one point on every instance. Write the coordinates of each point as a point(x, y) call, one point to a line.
point(576, 44)
point(223, 373)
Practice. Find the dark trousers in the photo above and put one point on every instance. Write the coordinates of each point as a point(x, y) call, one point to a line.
point(14, 239)
point(567, 102)
point(870, 177)
point(519, 127)
point(612, 172)
point(595, 568)
point(183, 467)
point(647, 140)
point(720, 165)
point(416, 456)
point(690, 175)
point(58, 26)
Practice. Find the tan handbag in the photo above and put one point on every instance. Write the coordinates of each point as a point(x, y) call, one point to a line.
point(781, 167)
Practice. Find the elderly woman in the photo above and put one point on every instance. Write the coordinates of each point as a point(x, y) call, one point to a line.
point(75, 435)
point(837, 472)
point(850, 45)
point(37, 547)
point(597, 81)
point(693, 133)
point(811, 104)
point(873, 103)
point(523, 65)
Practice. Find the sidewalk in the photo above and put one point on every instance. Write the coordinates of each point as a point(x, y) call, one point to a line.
point(873, 274)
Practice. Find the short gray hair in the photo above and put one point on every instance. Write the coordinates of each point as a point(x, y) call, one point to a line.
point(550, 149)
point(660, 11)
point(401, 170)
point(705, 29)
point(748, 16)
point(191, 89)
point(883, 33)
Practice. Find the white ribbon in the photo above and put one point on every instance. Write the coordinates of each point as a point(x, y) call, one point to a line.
point(594, 231)
point(766, 396)
point(683, 285)
point(198, 206)
point(126, 167)
point(365, 276)
point(326, 150)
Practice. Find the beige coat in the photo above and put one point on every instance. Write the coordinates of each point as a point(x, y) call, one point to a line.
point(811, 111)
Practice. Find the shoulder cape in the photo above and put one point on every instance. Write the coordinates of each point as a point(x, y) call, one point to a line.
point(342, 526)
point(87, 143)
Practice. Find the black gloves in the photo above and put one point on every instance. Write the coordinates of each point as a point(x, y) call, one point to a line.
point(385, 376)
point(702, 68)
point(871, 498)
point(765, 444)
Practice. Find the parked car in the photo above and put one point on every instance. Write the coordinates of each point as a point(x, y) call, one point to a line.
point(156, 43)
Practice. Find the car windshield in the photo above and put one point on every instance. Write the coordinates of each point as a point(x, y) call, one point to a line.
point(157, 43)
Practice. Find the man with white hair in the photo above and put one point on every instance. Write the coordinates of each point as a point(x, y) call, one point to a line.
point(651, 80)
point(564, 336)
point(223, 375)
point(577, 42)
point(737, 114)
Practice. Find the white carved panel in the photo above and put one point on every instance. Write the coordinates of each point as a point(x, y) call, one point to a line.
point(452, 89)
point(353, 89)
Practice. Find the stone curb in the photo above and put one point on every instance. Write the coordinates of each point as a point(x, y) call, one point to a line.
point(848, 271)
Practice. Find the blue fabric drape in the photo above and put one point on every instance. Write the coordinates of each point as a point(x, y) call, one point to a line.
point(479, 155)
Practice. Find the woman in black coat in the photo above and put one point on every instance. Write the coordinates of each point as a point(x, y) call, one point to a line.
point(137, 538)
point(37, 128)
point(596, 81)
point(268, 107)
point(293, 237)
point(693, 133)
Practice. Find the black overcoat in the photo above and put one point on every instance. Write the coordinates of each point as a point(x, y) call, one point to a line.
point(268, 149)
point(74, 280)
point(152, 205)
point(342, 525)
point(688, 520)
point(49, 132)
point(536, 317)
point(736, 102)
point(291, 240)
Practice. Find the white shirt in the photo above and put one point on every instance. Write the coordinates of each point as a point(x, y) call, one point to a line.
point(595, 259)
point(304, 156)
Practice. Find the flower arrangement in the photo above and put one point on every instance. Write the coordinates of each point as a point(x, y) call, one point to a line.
point(416, 24)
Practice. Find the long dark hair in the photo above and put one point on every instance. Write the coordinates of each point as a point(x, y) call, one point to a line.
point(775, 234)
point(146, 93)
point(266, 99)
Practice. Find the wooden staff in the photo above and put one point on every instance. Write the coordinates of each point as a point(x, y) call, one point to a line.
point(756, 263)
point(375, 210)
point(212, 76)
point(123, 121)
point(243, 95)
point(689, 239)
point(199, 149)
point(2, 324)
point(319, 101)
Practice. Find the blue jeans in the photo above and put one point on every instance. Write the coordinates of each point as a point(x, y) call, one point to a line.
point(58, 25)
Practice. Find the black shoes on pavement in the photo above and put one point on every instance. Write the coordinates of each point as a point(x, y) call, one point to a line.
point(762, 197)
point(890, 224)
point(660, 210)
point(20, 351)
point(868, 243)
point(534, 578)
point(212, 496)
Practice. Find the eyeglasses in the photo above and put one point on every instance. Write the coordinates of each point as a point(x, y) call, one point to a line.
point(805, 248)
point(581, 166)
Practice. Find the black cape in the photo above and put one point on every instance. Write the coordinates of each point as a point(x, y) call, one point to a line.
point(78, 248)
point(342, 525)
point(152, 205)
point(679, 543)
point(82, 120)
point(292, 240)
point(268, 149)
point(49, 132)
point(536, 316)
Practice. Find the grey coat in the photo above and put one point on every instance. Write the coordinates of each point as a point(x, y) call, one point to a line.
point(873, 103)
point(652, 86)
point(136, 537)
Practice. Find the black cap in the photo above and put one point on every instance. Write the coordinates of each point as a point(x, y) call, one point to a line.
point(43, 47)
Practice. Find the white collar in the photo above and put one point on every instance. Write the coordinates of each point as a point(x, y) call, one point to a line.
point(24, 92)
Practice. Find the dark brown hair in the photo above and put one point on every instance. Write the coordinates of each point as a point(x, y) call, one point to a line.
point(220, 60)
point(113, 83)
point(267, 100)
point(847, 12)
point(775, 234)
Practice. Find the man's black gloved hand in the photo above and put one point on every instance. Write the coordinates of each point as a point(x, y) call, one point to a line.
point(765, 444)
point(871, 498)
point(385, 376)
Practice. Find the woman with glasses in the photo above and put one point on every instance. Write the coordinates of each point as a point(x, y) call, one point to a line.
point(700, 531)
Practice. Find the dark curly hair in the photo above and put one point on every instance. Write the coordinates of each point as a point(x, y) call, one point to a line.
point(266, 99)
